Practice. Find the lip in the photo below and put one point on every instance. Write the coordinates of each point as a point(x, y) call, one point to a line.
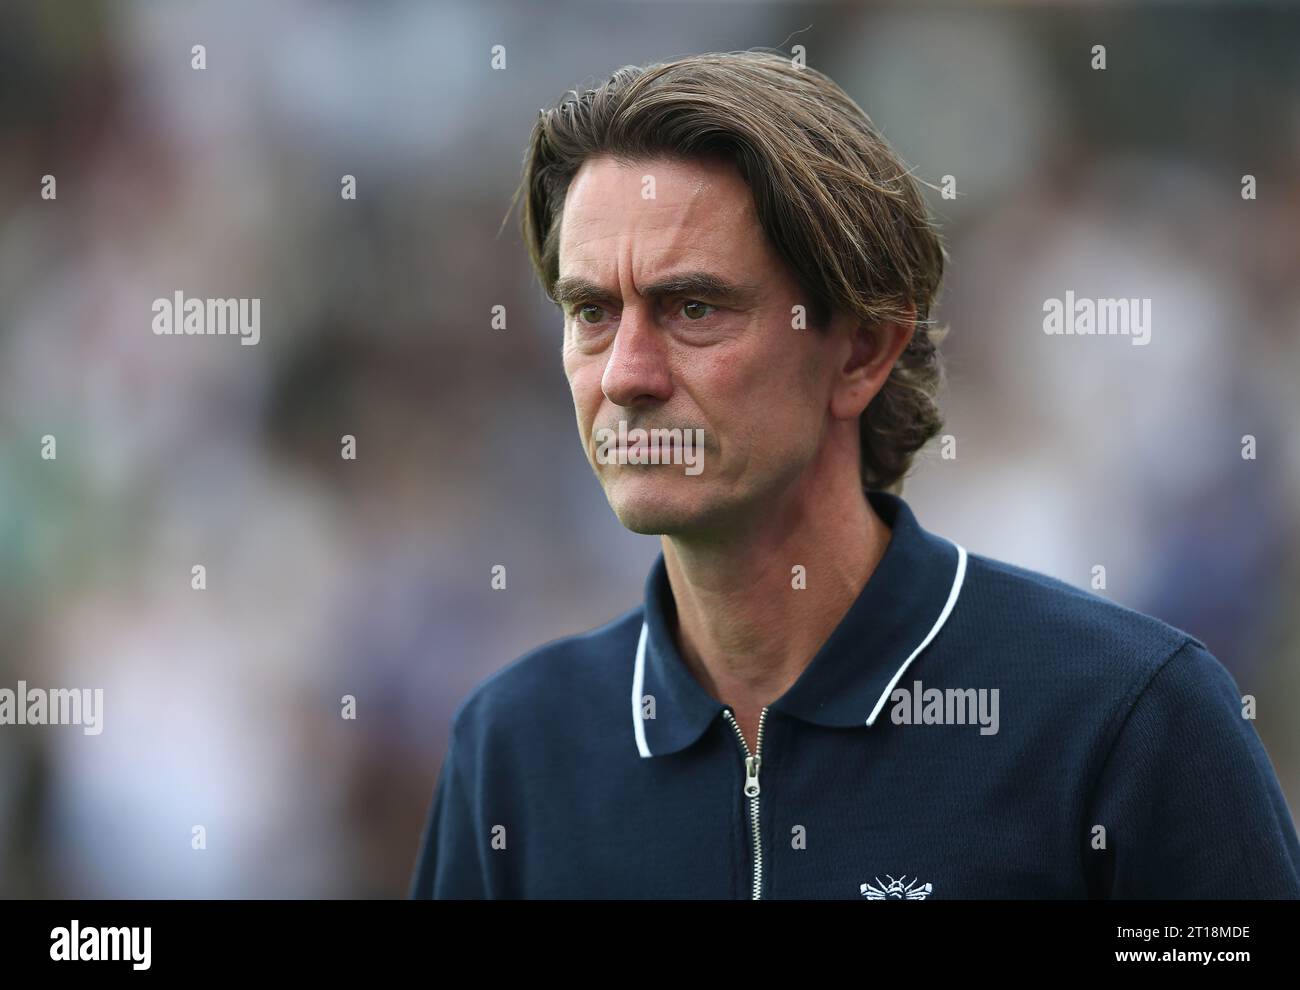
point(664, 447)
point(665, 444)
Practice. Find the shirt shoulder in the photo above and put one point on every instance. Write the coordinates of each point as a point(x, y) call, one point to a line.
point(1188, 804)
point(1064, 632)
point(572, 674)
point(1176, 794)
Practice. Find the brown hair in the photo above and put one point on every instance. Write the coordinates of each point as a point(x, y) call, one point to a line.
point(834, 199)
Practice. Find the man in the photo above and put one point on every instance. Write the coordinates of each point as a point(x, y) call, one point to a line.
point(818, 698)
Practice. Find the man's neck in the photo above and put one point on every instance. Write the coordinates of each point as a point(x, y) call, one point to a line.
point(744, 627)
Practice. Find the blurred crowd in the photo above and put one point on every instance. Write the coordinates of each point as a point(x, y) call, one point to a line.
point(328, 577)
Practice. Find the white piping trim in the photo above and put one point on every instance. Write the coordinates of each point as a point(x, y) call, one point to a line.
point(638, 682)
point(934, 630)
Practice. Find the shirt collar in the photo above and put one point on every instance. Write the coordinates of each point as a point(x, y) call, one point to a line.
point(904, 604)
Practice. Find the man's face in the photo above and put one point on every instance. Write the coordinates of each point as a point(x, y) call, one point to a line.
point(638, 349)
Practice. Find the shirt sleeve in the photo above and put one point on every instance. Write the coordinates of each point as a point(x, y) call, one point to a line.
point(1189, 800)
point(449, 866)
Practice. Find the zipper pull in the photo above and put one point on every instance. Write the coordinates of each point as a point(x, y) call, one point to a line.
point(752, 764)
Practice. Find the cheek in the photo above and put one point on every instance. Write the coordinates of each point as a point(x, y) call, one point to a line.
point(584, 383)
point(747, 400)
point(785, 403)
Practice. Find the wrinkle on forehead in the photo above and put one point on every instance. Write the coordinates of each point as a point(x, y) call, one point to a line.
point(704, 207)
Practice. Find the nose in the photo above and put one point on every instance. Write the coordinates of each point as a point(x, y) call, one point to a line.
point(637, 370)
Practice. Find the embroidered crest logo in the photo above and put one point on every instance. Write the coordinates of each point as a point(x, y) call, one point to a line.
point(895, 890)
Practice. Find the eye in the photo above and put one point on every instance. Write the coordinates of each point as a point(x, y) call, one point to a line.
point(687, 307)
point(586, 308)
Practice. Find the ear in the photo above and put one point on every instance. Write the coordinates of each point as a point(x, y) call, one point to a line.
point(871, 352)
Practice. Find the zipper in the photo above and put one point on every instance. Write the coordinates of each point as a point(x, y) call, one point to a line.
point(752, 765)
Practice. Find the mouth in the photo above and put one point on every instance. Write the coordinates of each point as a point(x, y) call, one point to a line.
point(666, 448)
point(651, 446)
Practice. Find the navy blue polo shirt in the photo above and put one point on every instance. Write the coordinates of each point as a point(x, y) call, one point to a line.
point(1112, 761)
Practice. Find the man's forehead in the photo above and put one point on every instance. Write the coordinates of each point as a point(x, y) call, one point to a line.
point(675, 179)
point(669, 212)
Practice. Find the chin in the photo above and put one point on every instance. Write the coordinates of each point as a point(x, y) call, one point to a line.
point(657, 507)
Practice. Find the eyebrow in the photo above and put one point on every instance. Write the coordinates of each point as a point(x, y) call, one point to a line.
point(697, 284)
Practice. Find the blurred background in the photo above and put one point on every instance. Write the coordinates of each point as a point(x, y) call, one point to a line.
point(328, 577)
